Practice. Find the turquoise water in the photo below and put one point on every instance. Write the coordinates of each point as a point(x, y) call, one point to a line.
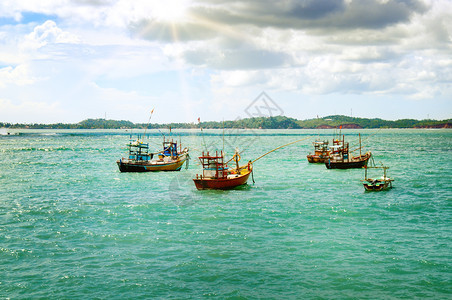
point(72, 226)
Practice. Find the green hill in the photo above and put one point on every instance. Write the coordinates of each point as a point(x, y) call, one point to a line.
point(279, 122)
point(104, 124)
point(351, 122)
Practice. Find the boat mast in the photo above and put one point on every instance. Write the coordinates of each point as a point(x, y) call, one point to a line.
point(343, 148)
point(237, 160)
point(359, 144)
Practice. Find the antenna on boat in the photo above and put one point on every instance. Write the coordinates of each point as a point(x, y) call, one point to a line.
point(149, 121)
point(161, 132)
point(202, 133)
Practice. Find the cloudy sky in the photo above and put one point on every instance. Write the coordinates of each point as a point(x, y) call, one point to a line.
point(69, 60)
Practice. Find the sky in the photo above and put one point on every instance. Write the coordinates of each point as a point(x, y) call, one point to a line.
point(70, 60)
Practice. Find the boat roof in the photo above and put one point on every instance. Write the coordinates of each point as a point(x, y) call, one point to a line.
point(210, 157)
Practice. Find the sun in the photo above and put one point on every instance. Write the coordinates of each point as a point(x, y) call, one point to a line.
point(170, 10)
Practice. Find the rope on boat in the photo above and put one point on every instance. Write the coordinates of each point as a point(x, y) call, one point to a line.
point(187, 162)
point(279, 148)
point(373, 162)
point(355, 144)
point(356, 149)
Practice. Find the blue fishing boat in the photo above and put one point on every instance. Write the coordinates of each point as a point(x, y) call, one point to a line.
point(141, 160)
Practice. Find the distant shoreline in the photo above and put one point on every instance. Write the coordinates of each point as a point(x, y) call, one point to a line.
point(278, 122)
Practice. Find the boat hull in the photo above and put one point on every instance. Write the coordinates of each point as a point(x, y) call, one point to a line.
point(352, 164)
point(151, 166)
point(315, 159)
point(221, 183)
point(377, 186)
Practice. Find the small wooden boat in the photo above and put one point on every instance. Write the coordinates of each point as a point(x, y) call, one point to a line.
point(321, 152)
point(378, 184)
point(346, 162)
point(140, 160)
point(216, 174)
point(340, 157)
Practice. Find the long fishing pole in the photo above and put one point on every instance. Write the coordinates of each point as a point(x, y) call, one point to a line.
point(279, 148)
point(268, 152)
point(149, 121)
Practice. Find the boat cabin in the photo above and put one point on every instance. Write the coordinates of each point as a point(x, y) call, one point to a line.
point(213, 166)
point(320, 147)
point(339, 150)
point(170, 148)
point(138, 150)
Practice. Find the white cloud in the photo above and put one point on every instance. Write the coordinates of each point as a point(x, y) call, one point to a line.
point(48, 33)
point(31, 110)
point(301, 47)
point(19, 75)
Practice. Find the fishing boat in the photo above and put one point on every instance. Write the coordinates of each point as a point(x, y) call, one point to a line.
point(337, 147)
point(341, 157)
point(141, 160)
point(216, 175)
point(378, 184)
point(321, 152)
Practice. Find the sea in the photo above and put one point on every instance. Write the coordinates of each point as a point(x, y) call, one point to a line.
point(73, 227)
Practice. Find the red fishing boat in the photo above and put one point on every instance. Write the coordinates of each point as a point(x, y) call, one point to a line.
point(217, 176)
